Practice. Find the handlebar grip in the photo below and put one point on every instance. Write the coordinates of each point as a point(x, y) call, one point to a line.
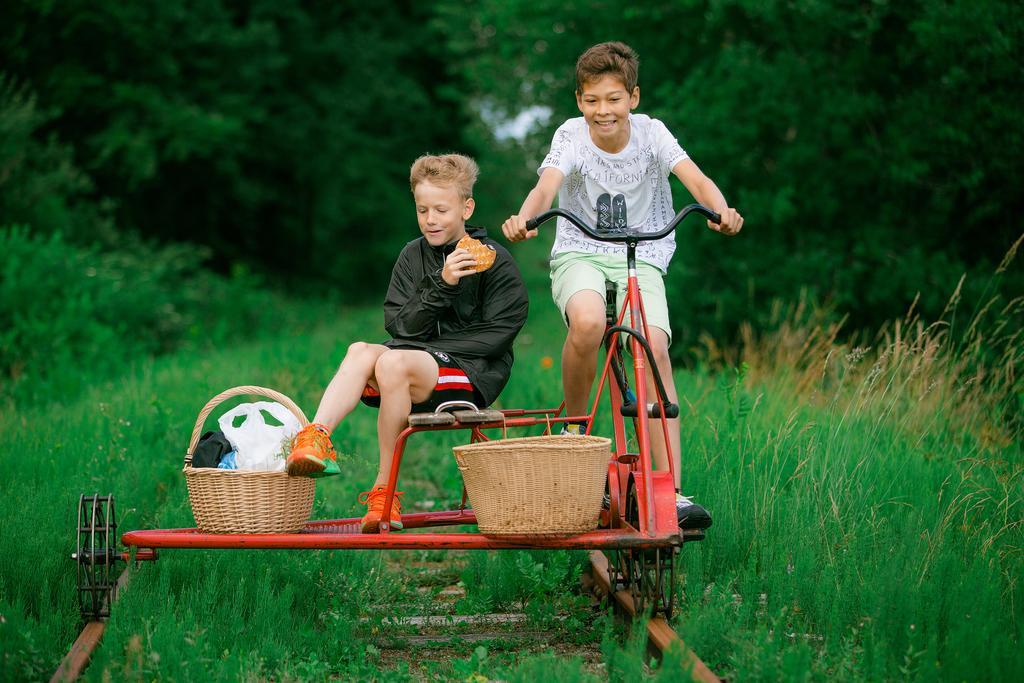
point(715, 218)
point(532, 224)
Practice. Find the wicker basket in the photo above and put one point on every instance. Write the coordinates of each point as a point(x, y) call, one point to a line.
point(543, 485)
point(242, 502)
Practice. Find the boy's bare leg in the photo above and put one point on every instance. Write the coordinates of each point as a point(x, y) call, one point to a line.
point(404, 377)
point(659, 344)
point(343, 393)
point(585, 311)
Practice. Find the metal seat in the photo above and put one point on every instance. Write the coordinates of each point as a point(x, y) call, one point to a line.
point(478, 416)
point(447, 414)
point(431, 419)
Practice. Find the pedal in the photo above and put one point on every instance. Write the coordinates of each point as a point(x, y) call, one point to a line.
point(653, 410)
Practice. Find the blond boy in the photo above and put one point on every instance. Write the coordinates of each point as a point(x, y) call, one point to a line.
point(451, 332)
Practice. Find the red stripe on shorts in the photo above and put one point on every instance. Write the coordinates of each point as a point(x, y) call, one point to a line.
point(452, 378)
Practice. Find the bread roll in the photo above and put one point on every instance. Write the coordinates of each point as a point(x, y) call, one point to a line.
point(483, 253)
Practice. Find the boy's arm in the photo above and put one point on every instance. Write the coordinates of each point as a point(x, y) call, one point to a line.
point(707, 193)
point(540, 199)
point(505, 308)
point(411, 307)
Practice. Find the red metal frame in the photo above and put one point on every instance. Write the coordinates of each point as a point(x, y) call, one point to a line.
point(656, 527)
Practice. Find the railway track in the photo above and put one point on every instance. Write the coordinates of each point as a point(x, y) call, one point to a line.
point(441, 631)
point(660, 635)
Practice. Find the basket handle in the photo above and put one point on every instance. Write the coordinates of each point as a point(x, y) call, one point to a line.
point(238, 391)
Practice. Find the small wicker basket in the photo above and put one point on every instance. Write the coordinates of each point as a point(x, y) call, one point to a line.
point(536, 486)
point(243, 502)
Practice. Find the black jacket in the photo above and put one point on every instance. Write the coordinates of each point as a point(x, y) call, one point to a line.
point(474, 322)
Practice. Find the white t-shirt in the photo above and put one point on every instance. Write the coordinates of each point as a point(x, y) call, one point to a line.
point(639, 172)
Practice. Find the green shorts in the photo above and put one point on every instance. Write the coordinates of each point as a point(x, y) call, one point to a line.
point(574, 271)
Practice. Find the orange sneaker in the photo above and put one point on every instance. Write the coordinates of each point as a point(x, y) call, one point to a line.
point(312, 453)
point(374, 498)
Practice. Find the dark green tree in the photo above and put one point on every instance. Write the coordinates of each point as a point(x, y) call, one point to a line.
point(873, 147)
point(276, 132)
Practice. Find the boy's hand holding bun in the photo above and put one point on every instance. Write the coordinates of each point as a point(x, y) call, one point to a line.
point(483, 253)
point(470, 256)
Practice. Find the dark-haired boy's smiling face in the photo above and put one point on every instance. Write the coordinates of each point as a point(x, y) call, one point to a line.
point(605, 104)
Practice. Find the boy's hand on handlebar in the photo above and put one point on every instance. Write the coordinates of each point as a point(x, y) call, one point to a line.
point(515, 229)
point(458, 265)
point(732, 222)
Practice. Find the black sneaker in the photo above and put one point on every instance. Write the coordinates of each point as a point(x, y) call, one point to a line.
point(690, 515)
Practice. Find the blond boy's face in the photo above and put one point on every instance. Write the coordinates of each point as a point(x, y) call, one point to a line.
point(441, 212)
point(605, 104)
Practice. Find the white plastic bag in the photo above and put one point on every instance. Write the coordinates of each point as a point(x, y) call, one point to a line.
point(258, 444)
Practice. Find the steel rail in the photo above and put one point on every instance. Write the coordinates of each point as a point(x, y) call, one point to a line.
point(77, 658)
point(660, 636)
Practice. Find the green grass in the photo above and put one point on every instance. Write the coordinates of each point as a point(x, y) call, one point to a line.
point(867, 527)
point(856, 552)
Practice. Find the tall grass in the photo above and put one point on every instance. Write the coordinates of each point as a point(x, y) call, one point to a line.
point(869, 501)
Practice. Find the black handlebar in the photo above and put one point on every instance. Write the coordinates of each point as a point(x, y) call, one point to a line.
point(623, 235)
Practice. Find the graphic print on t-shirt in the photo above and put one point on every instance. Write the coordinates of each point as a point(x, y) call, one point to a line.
point(604, 212)
point(619, 212)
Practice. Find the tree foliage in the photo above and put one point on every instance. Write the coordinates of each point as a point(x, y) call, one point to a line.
point(275, 132)
point(873, 147)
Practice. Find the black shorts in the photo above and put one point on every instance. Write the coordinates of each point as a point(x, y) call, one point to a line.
point(452, 385)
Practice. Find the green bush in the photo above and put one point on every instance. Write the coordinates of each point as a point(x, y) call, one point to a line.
point(69, 313)
point(40, 184)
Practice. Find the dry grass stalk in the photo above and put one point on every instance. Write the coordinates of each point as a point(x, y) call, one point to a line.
point(927, 375)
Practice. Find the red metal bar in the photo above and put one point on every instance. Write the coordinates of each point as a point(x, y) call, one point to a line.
point(516, 412)
point(412, 520)
point(618, 422)
point(384, 526)
point(661, 399)
point(591, 540)
point(141, 555)
point(600, 388)
point(615, 397)
point(642, 436)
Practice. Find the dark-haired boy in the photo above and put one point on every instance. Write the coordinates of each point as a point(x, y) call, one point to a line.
point(610, 151)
